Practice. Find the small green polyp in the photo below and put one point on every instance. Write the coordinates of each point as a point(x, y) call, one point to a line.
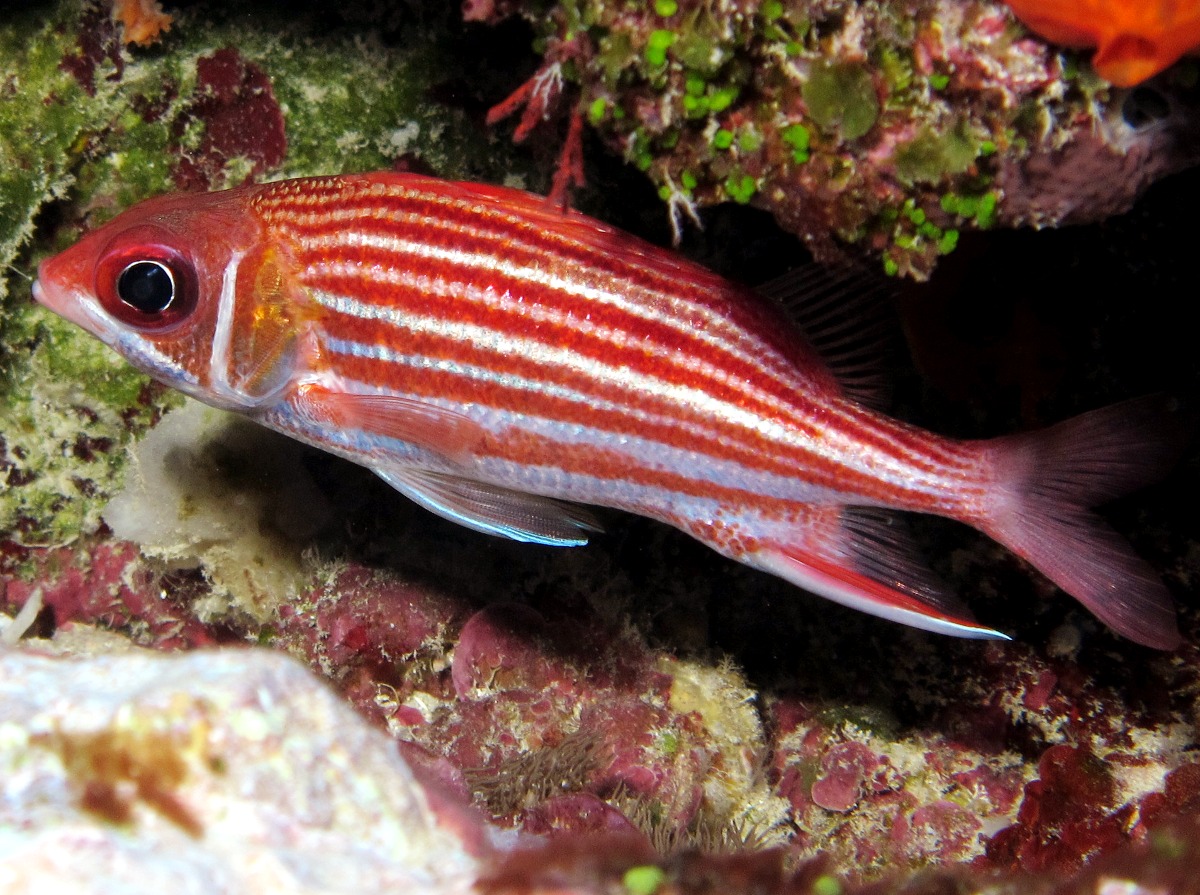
point(827, 885)
point(798, 138)
point(657, 46)
point(597, 109)
point(645, 879)
point(741, 189)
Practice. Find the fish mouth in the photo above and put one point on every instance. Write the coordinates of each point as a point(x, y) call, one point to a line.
point(50, 296)
point(66, 303)
point(55, 286)
point(47, 289)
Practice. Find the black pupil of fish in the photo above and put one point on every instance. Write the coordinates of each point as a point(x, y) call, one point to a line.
point(147, 286)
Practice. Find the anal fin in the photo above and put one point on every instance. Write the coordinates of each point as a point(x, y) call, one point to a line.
point(492, 509)
point(861, 558)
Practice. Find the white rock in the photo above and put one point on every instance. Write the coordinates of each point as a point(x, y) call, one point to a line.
point(232, 771)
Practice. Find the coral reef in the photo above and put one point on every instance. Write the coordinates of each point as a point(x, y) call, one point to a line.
point(889, 125)
point(238, 771)
point(642, 690)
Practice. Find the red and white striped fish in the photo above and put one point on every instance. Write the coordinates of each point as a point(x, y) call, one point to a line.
point(491, 357)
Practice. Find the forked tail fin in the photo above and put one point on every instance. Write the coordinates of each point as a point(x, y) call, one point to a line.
point(1045, 484)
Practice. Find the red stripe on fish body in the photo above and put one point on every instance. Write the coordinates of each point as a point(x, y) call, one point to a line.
point(514, 291)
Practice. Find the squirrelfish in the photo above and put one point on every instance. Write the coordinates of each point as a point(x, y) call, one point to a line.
point(500, 361)
point(1134, 39)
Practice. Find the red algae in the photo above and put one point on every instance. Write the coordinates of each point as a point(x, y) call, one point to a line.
point(576, 814)
point(98, 44)
point(242, 119)
point(1065, 817)
point(108, 583)
point(846, 772)
point(1179, 800)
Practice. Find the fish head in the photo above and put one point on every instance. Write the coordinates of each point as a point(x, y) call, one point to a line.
point(189, 289)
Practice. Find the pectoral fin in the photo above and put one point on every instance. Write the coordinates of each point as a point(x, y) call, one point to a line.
point(268, 321)
point(445, 432)
point(494, 510)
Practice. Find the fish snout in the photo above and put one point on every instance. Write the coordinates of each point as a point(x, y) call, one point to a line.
point(48, 287)
point(48, 293)
point(55, 293)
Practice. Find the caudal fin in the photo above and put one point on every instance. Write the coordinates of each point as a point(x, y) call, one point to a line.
point(1046, 483)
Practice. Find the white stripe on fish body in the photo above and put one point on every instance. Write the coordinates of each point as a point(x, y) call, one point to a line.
point(664, 504)
point(505, 302)
point(745, 350)
point(652, 457)
point(702, 322)
point(493, 226)
point(933, 470)
point(489, 376)
point(560, 359)
point(833, 446)
point(643, 452)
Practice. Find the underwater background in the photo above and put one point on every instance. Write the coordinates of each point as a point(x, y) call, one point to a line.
point(715, 723)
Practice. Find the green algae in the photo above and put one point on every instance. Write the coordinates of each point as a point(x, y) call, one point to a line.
point(644, 879)
point(841, 96)
point(899, 101)
point(42, 117)
point(932, 156)
point(827, 884)
point(656, 47)
point(797, 137)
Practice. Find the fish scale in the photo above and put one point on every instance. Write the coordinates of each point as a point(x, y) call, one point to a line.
point(488, 249)
point(474, 242)
point(491, 357)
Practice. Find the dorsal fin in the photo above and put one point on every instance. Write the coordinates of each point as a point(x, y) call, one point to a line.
point(843, 313)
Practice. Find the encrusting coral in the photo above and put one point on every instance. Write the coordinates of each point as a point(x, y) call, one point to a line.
point(130, 771)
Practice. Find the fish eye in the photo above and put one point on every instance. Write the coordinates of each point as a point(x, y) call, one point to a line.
point(146, 286)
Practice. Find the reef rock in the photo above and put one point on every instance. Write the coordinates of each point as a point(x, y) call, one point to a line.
point(216, 772)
